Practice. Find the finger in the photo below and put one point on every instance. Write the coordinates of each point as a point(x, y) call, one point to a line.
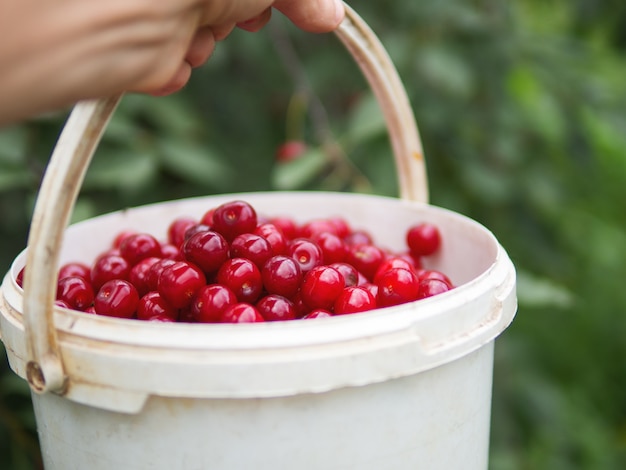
point(201, 47)
point(177, 82)
point(221, 31)
point(315, 16)
point(255, 24)
point(232, 11)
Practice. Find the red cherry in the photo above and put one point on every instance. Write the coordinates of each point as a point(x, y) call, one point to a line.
point(210, 303)
point(153, 307)
point(390, 263)
point(121, 236)
point(179, 282)
point(19, 279)
point(136, 247)
point(349, 273)
point(342, 227)
point(207, 217)
point(275, 237)
point(242, 277)
point(75, 269)
point(333, 248)
point(153, 274)
point(170, 251)
point(207, 250)
point(234, 218)
point(286, 225)
point(366, 258)
point(317, 227)
point(107, 268)
point(242, 313)
point(318, 313)
point(397, 286)
point(281, 275)
point(139, 275)
point(290, 150)
point(358, 237)
point(253, 247)
point(298, 304)
point(321, 286)
point(117, 298)
point(306, 253)
point(423, 239)
point(434, 274)
point(176, 230)
point(276, 308)
point(75, 291)
point(371, 288)
point(430, 287)
point(354, 299)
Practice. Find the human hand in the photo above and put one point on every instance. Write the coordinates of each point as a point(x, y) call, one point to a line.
point(219, 18)
point(53, 54)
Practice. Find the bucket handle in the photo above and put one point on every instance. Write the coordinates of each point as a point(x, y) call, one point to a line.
point(78, 142)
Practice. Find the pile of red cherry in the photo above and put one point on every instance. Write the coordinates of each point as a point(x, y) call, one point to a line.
point(231, 266)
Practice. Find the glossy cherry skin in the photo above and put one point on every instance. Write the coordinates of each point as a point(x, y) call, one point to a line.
point(275, 237)
point(276, 308)
point(242, 313)
point(353, 300)
point(281, 275)
point(117, 298)
point(153, 307)
point(397, 286)
point(430, 287)
point(423, 239)
point(390, 263)
point(139, 275)
point(242, 277)
point(207, 249)
point(234, 218)
point(179, 282)
point(319, 313)
point(75, 269)
point(76, 292)
point(154, 272)
point(332, 246)
point(366, 258)
point(434, 274)
point(306, 253)
point(176, 230)
point(107, 268)
point(253, 247)
point(138, 246)
point(210, 303)
point(286, 225)
point(321, 286)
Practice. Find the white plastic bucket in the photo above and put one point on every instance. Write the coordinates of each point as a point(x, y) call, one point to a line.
point(403, 387)
point(396, 388)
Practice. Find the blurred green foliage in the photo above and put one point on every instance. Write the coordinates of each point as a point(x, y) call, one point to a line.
point(522, 111)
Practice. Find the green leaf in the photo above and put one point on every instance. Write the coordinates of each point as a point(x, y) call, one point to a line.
point(366, 120)
point(14, 177)
point(125, 170)
point(543, 112)
point(297, 173)
point(12, 144)
point(195, 163)
point(445, 70)
point(535, 291)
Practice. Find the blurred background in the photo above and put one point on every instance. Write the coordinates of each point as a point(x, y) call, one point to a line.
point(521, 106)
